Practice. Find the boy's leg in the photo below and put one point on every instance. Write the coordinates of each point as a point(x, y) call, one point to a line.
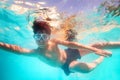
point(76, 66)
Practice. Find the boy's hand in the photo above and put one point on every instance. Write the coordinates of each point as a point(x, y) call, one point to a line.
point(104, 53)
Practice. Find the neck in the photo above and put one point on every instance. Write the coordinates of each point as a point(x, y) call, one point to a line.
point(41, 50)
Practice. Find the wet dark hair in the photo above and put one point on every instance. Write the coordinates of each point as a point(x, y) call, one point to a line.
point(71, 35)
point(41, 26)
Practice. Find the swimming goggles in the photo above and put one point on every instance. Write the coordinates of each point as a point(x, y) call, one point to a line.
point(41, 36)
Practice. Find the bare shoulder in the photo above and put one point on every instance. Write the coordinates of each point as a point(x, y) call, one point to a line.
point(57, 41)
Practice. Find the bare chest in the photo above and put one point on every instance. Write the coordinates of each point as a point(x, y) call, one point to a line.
point(51, 56)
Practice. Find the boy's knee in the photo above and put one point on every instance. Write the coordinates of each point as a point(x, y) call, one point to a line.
point(82, 67)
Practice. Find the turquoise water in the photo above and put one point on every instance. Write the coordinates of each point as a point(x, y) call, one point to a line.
point(15, 29)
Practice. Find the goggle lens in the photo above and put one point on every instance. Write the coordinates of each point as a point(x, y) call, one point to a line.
point(41, 36)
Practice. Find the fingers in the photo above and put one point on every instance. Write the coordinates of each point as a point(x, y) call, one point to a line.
point(107, 53)
point(101, 54)
point(104, 53)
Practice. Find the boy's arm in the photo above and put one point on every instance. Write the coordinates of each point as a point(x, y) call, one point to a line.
point(15, 48)
point(76, 45)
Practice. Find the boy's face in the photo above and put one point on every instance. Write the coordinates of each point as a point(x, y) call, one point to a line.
point(41, 38)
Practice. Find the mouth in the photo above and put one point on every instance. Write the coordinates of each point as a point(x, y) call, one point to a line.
point(41, 42)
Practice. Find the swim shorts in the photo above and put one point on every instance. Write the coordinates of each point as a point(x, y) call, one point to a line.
point(72, 54)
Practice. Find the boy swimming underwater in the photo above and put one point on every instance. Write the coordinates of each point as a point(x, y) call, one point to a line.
point(51, 54)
